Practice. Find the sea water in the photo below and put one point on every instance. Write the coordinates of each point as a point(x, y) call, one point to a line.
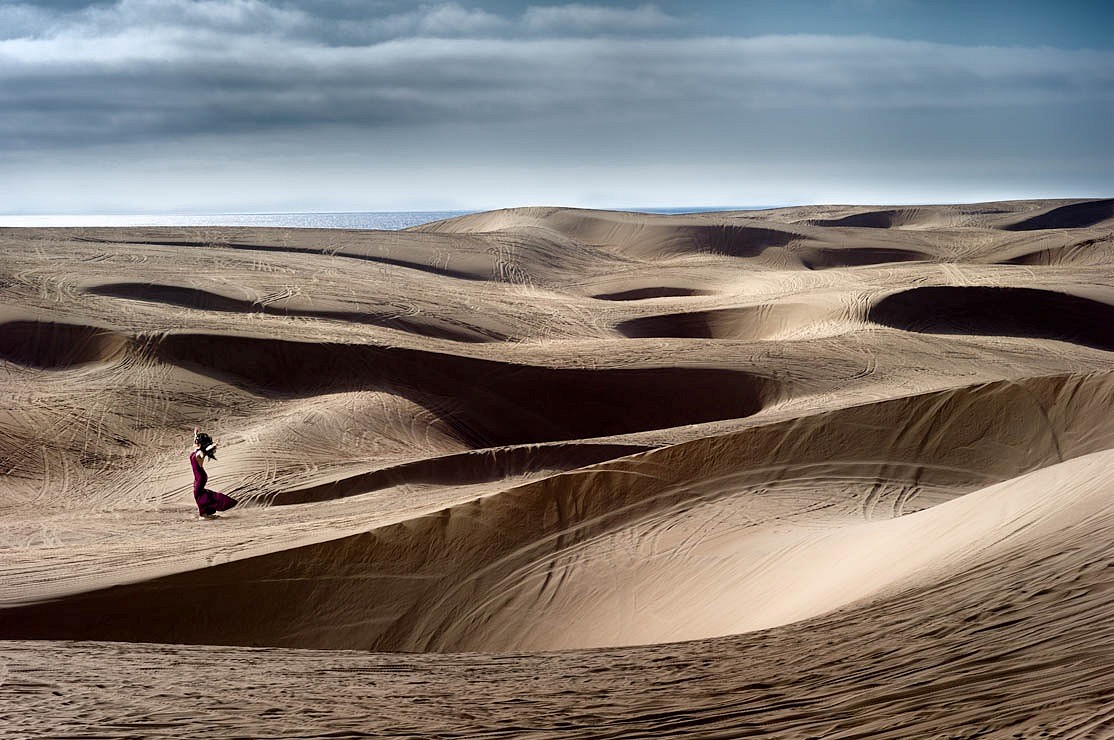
point(386, 220)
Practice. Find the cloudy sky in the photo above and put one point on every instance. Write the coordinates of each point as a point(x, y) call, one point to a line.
point(157, 106)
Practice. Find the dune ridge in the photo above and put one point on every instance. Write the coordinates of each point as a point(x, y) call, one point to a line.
point(1000, 311)
point(825, 471)
point(440, 582)
point(47, 345)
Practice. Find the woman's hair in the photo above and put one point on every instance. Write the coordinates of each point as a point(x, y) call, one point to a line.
point(206, 444)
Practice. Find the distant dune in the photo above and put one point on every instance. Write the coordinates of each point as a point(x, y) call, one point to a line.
point(828, 472)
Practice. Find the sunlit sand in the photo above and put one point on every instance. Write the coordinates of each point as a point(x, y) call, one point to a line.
point(825, 471)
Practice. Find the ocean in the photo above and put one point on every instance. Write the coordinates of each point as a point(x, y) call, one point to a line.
point(386, 220)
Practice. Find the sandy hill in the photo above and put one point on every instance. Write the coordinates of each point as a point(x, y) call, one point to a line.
point(828, 472)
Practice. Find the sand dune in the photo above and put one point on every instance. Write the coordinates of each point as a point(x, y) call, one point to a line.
point(489, 403)
point(886, 219)
point(49, 345)
point(1000, 311)
point(693, 531)
point(204, 300)
point(1082, 252)
point(752, 322)
point(658, 291)
point(1071, 216)
point(829, 471)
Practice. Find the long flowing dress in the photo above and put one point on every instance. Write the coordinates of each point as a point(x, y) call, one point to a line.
point(208, 502)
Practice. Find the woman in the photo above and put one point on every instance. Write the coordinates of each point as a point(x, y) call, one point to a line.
point(208, 502)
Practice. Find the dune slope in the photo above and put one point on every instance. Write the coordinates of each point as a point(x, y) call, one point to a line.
point(829, 471)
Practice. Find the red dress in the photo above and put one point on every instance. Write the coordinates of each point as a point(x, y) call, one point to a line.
point(208, 502)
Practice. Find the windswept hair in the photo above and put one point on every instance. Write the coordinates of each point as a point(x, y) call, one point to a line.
point(207, 447)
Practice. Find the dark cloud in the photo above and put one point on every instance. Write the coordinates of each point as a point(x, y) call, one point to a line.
point(157, 80)
point(630, 79)
point(60, 5)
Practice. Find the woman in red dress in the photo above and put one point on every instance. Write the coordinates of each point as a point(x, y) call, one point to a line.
point(208, 502)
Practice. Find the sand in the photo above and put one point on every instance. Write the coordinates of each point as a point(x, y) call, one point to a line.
point(815, 472)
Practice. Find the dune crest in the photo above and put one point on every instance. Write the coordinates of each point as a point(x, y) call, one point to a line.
point(827, 471)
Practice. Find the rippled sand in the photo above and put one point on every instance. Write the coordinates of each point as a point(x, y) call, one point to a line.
point(827, 472)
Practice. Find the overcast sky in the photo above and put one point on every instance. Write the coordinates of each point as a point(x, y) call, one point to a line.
point(156, 106)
